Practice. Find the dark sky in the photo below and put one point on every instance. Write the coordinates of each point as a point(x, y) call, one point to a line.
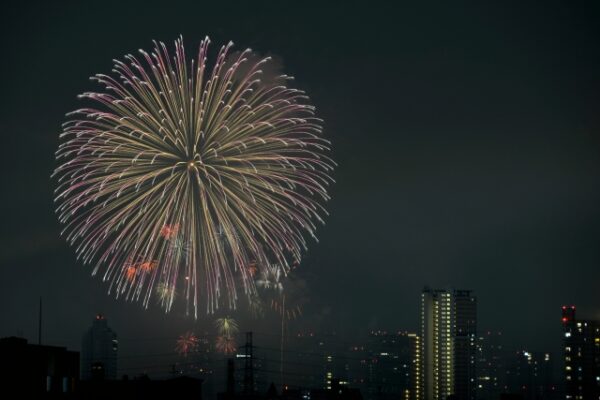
point(467, 138)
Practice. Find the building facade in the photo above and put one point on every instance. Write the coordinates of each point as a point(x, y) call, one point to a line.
point(448, 344)
point(393, 366)
point(99, 349)
point(581, 356)
point(491, 366)
point(36, 371)
point(465, 345)
point(530, 376)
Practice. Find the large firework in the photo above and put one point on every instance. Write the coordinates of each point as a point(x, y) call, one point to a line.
point(188, 177)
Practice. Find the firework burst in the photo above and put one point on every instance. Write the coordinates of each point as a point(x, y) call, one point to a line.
point(187, 343)
point(193, 172)
point(227, 326)
point(226, 344)
point(270, 278)
point(165, 293)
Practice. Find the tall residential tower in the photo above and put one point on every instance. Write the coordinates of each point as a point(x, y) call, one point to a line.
point(582, 356)
point(99, 348)
point(448, 348)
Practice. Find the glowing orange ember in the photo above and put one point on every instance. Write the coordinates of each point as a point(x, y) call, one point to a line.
point(252, 268)
point(169, 231)
point(130, 273)
point(148, 266)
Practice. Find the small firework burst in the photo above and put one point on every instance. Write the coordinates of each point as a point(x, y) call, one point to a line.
point(165, 292)
point(281, 290)
point(147, 266)
point(270, 278)
point(227, 326)
point(252, 268)
point(130, 272)
point(187, 343)
point(180, 247)
point(169, 231)
point(226, 344)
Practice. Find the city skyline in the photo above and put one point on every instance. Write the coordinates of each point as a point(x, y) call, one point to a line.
point(393, 364)
point(169, 345)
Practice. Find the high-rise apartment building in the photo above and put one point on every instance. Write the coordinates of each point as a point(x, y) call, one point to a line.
point(448, 347)
point(465, 347)
point(99, 351)
point(393, 366)
point(529, 375)
point(581, 356)
point(491, 366)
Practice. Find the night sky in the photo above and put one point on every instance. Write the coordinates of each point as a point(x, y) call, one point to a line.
point(467, 138)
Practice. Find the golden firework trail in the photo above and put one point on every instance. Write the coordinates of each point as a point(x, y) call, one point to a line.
point(227, 326)
point(180, 176)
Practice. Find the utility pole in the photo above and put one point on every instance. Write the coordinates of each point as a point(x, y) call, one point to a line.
point(40, 323)
point(230, 378)
point(282, 339)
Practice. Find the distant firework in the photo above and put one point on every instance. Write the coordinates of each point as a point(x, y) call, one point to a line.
point(189, 179)
point(226, 344)
point(165, 293)
point(227, 326)
point(270, 278)
point(187, 343)
point(284, 300)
